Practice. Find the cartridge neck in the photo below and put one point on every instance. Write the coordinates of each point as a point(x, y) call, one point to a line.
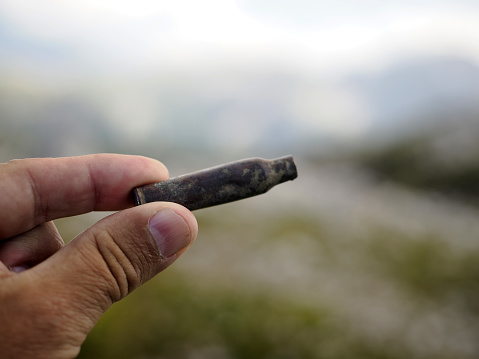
point(284, 169)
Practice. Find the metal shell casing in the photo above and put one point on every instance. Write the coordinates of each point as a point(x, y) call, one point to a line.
point(220, 184)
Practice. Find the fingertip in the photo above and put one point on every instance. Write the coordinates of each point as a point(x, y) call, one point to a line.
point(116, 175)
point(154, 165)
point(185, 214)
point(188, 217)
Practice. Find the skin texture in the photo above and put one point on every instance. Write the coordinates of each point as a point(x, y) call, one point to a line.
point(51, 294)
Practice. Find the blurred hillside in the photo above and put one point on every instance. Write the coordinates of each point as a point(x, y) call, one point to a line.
point(443, 161)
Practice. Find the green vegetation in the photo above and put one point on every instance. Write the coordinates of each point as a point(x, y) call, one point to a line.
point(416, 162)
point(428, 268)
point(215, 313)
point(172, 318)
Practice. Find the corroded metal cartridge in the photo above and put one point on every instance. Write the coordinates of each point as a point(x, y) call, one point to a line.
point(221, 184)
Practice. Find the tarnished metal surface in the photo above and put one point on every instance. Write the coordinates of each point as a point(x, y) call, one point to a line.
point(221, 184)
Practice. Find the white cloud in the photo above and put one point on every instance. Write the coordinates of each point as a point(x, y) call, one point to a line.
point(182, 32)
point(321, 39)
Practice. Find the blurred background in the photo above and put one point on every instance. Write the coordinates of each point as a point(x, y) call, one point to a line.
point(372, 252)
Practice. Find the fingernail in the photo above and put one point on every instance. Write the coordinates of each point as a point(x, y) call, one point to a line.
point(170, 231)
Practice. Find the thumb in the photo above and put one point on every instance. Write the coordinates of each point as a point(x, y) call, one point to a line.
point(112, 258)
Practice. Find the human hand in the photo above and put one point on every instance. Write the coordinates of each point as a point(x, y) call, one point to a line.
point(51, 294)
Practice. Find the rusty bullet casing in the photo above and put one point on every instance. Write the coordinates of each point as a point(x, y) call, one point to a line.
point(220, 184)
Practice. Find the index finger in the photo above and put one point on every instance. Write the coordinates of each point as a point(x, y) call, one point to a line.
point(34, 191)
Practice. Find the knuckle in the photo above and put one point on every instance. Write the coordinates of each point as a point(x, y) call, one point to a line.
point(127, 261)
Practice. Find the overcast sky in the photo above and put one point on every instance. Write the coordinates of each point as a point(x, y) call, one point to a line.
point(323, 40)
point(303, 34)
